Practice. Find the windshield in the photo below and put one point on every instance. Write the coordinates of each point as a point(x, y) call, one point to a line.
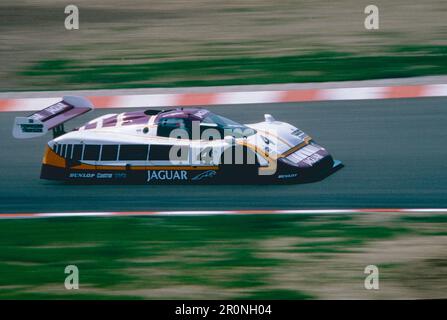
point(226, 126)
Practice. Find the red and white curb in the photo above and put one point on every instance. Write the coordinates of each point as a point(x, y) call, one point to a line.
point(215, 212)
point(244, 97)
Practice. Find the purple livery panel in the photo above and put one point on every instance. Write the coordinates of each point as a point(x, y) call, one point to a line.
point(58, 113)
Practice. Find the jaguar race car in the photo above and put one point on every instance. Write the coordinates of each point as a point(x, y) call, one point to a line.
point(180, 145)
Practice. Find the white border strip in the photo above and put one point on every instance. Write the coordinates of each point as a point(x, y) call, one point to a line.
point(216, 212)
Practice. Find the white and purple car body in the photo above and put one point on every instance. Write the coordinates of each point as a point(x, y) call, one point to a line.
point(182, 145)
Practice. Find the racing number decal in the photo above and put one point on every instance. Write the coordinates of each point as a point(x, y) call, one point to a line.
point(205, 155)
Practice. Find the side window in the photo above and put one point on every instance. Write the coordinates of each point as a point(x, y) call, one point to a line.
point(64, 146)
point(69, 149)
point(182, 153)
point(133, 152)
point(159, 152)
point(109, 152)
point(166, 126)
point(91, 152)
point(57, 149)
point(77, 152)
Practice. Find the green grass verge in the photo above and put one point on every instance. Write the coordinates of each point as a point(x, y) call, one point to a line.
point(176, 257)
point(111, 73)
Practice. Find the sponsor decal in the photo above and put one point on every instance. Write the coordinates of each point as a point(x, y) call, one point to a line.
point(313, 158)
point(287, 176)
point(266, 140)
point(83, 175)
point(167, 175)
point(204, 175)
point(104, 175)
point(201, 113)
point(50, 111)
point(31, 127)
point(99, 175)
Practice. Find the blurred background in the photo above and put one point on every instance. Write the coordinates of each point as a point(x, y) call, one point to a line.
point(161, 43)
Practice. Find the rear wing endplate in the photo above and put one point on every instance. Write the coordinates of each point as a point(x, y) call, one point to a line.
point(51, 118)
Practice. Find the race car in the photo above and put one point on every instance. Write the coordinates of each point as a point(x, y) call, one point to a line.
point(178, 145)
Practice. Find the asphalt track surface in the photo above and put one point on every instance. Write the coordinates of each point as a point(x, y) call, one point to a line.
point(394, 151)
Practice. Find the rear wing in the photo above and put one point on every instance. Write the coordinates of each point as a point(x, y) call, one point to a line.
point(51, 118)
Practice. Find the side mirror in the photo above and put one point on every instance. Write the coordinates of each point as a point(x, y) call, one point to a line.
point(230, 140)
point(269, 118)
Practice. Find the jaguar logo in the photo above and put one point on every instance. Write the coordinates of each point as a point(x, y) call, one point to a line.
point(204, 175)
point(167, 175)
